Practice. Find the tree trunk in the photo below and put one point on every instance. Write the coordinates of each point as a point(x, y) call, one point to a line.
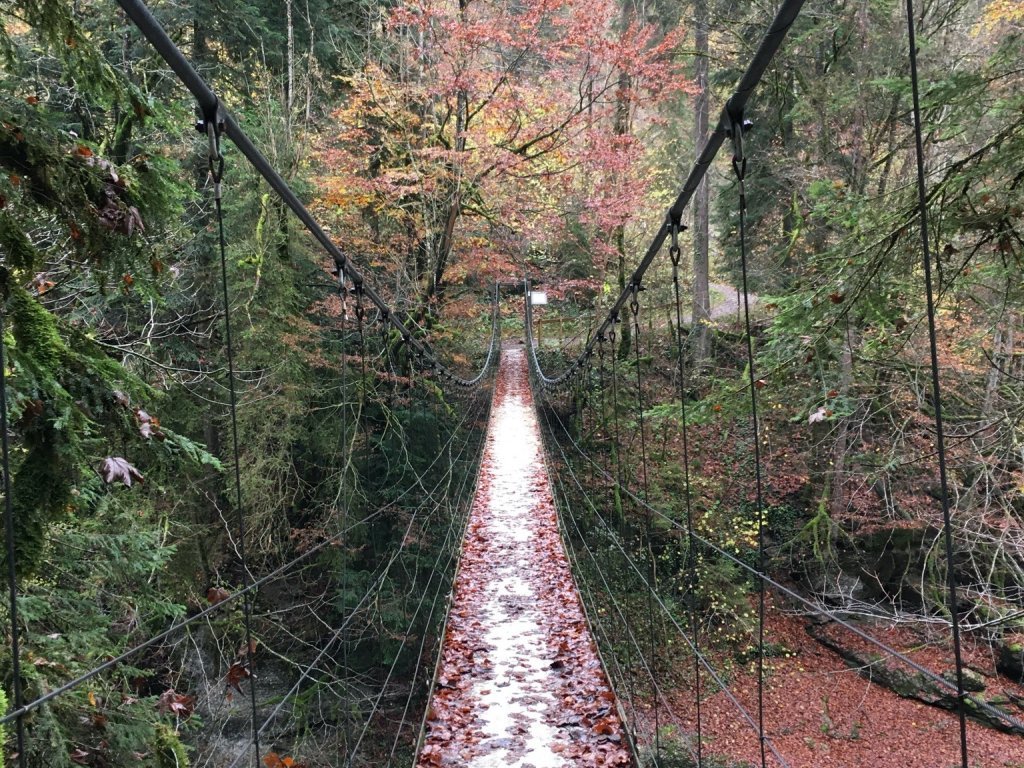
point(622, 127)
point(701, 265)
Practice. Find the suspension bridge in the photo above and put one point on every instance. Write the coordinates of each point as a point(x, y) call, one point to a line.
point(518, 651)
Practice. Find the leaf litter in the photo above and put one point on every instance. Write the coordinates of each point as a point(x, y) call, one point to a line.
point(520, 682)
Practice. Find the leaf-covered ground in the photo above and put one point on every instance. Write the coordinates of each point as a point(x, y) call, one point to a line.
point(820, 711)
point(520, 682)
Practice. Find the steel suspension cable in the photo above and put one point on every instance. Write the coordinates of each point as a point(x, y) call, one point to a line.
point(12, 566)
point(308, 669)
point(469, 477)
point(214, 112)
point(405, 638)
point(708, 667)
point(345, 459)
point(604, 401)
point(451, 595)
point(739, 165)
point(1015, 725)
point(609, 589)
point(268, 578)
point(617, 444)
point(378, 581)
point(940, 443)
point(774, 36)
point(674, 253)
point(216, 163)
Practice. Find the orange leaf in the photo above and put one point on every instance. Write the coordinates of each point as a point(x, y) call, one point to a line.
point(216, 595)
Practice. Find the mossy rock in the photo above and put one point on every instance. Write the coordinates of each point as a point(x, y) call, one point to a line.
point(912, 684)
point(1010, 660)
point(974, 682)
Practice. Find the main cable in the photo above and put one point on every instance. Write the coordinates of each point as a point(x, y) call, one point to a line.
point(773, 38)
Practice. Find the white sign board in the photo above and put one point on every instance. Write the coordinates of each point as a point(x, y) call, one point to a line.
point(538, 297)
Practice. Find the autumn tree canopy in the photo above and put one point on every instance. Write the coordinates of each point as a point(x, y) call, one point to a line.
point(485, 134)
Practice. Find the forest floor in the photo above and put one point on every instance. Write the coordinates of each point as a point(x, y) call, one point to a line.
point(821, 712)
point(520, 682)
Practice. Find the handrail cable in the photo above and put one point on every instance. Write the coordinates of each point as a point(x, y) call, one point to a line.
point(308, 669)
point(1015, 724)
point(470, 479)
point(215, 608)
point(378, 582)
point(405, 637)
point(615, 604)
point(665, 609)
point(451, 598)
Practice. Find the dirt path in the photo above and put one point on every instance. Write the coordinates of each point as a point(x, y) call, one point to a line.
point(520, 682)
point(728, 306)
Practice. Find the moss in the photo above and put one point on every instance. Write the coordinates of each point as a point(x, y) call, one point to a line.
point(35, 333)
point(21, 254)
point(3, 729)
point(40, 492)
point(170, 752)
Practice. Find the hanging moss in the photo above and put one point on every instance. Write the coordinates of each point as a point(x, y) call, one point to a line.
point(35, 333)
point(40, 483)
point(21, 254)
point(40, 491)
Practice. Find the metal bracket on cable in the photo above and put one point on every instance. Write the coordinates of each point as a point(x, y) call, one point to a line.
point(738, 126)
point(675, 226)
point(212, 125)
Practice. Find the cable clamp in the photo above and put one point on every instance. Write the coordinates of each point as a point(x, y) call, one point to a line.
point(634, 302)
point(737, 128)
point(674, 252)
point(213, 126)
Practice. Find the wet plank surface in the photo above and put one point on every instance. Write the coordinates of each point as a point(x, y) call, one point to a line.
point(520, 681)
